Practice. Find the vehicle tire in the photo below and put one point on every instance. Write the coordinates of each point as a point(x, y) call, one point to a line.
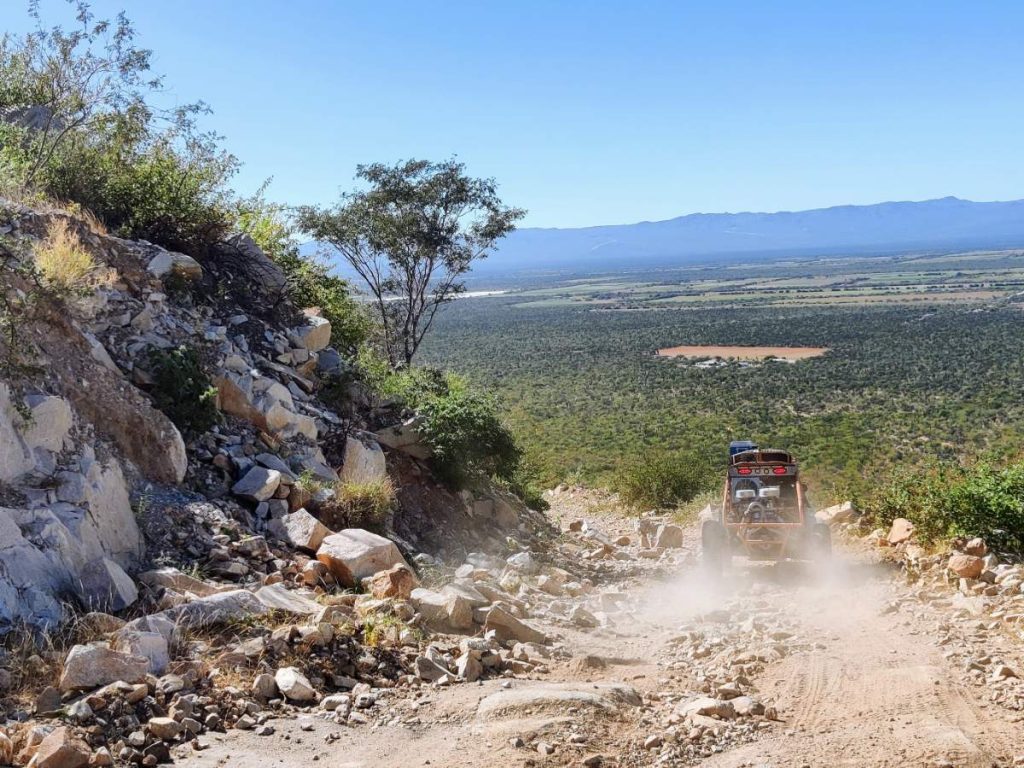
point(714, 547)
point(821, 542)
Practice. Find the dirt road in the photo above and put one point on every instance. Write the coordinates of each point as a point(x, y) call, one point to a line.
point(850, 667)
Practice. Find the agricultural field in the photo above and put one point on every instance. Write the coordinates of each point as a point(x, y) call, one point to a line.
point(726, 353)
point(914, 279)
point(925, 358)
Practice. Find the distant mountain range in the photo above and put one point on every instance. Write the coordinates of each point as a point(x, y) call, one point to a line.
point(884, 228)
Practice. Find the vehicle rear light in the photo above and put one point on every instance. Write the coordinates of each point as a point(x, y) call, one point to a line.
point(744, 471)
point(779, 470)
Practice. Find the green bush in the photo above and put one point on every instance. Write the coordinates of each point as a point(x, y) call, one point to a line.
point(467, 436)
point(99, 139)
point(944, 500)
point(463, 427)
point(182, 390)
point(172, 189)
point(663, 480)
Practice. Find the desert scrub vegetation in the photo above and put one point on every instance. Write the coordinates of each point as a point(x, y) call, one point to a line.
point(662, 480)
point(945, 500)
point(358, 504)
point(181, 389)
point(462, 426)
point(380, 630)
point(84, 131)
point(583, 391)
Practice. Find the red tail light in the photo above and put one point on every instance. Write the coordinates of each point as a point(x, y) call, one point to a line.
point(779, 470)
point(744, 471)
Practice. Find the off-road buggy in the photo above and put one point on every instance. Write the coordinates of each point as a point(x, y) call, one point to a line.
point(764, 514)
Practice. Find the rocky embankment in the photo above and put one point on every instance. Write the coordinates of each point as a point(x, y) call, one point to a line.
point(132, 559)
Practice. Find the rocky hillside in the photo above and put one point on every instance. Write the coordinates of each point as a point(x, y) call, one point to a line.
point(292, 484)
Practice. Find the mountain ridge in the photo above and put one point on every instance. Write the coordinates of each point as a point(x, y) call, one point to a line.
point(875, 229)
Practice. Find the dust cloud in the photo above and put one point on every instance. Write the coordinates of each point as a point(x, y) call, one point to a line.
point(805, 587)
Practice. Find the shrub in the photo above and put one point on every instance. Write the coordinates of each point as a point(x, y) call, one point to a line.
point(945, 500)
point(467, 436)
point(170, 189)
point(462, 426)
point(358, 505)
point(182, 390)
point(95, 134)
point(63, 263)
point(663, 480)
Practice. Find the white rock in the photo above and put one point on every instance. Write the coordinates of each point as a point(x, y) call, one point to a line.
point(293, 685)
point(300, 529)
point(151, 646)
point(353, 554)
point(276, 597)
point(258, 484)
point(364, 463)
point(91, 666)
point(315, 335)
point(167, 262)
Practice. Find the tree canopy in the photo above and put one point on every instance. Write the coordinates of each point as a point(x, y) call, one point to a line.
point(411, 235)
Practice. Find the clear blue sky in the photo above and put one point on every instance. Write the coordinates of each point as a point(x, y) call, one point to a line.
point(607, 112)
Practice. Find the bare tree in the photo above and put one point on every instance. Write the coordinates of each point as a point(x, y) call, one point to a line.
point(412, 235)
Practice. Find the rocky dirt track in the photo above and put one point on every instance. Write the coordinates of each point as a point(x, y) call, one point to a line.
point(778, 665)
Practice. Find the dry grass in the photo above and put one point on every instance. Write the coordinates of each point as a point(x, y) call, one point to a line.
point(63, 262)
point(87, 217)
point(35, 657)
point(359, 505)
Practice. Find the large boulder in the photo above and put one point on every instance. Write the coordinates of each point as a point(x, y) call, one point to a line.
point(165, 263)
point(364, 463)
point(900, 531)
point(49, 553)
point(300, 529)
point(353, 554)
point(30, 584)
point(151, 646)
point(708, 707)
point(90, 666)
point(397, 581)
point(104, 586)
point(61, 748)
point(507, 627)
point(443, 612)
point(834, 515)
point(405, 437)
point(41, 427)
point(277, 598)
point(669, 537)
point(294, 685)
point(49, 422)
point(240, 257)
point(172, 578)
point(109, 527)
point(258, 484)
point(215, 609)
point(15, 457)
point(966, 566)
point(315, 334)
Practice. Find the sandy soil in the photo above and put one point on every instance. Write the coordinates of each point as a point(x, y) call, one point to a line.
point(875, 687)
point(744, 353)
